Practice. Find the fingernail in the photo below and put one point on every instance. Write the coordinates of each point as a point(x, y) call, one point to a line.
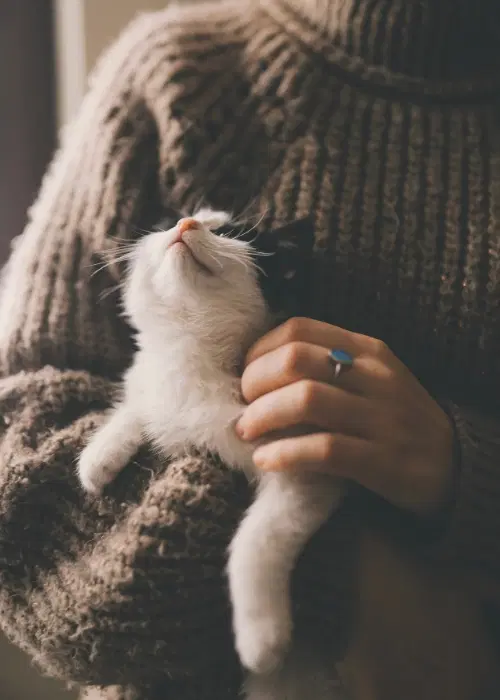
point(240, 430)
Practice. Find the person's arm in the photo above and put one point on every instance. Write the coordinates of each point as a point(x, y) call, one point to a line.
point(132, 585)
point(468, 533)
point(129, 589)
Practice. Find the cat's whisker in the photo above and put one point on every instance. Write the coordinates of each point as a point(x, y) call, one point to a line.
point(245, 264)
point(261, 253)
point(200, 204)
point(253, 228)
point(120, 258)
point(100, 269)
point(109, 263)
point(245, 233)
point(119, 245)
point(237, 258)
point(261, 270)
point(121, 248)
point(111, 255)
point(244, 218)
point(108, 292)
point(215, 259)
point(146, 232)
point(229, 235)
point(119, 240)
point(258, 222)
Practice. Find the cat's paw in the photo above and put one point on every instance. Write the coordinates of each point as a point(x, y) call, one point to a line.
point(262, 642)
point(93, 473)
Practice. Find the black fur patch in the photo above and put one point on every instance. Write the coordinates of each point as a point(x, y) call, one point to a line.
point(285, 263)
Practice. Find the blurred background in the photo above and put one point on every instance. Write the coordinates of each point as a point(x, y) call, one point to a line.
point(47, 48)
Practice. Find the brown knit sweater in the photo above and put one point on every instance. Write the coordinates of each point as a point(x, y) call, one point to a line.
point(381, 118)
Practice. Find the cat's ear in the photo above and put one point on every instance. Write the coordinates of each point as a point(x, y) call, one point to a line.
point(213, 219)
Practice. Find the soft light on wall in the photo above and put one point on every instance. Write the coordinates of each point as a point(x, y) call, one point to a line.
point(83, 30)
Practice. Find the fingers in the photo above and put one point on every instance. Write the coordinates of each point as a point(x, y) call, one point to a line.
point(299, 360)
point(285, 365)
point(336, 455)
point(318, 333)
point(309, 403)
point(339, 455)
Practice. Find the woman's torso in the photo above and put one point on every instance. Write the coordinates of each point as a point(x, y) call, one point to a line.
point(405, 193)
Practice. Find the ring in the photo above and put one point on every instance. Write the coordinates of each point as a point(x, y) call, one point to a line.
point(340, 359)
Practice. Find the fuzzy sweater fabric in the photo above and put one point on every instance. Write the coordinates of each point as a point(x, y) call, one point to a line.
point(379, 117)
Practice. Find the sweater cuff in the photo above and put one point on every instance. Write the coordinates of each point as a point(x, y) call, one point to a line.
point(470, 536)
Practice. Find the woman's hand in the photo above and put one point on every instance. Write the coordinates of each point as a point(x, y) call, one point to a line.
point(375, 424)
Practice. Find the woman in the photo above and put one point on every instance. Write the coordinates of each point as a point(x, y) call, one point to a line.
point(379, 117)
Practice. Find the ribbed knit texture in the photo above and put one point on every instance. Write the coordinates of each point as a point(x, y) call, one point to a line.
point(381, 119)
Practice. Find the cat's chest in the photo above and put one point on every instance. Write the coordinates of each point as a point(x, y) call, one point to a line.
point(176, 392)
point(183, 407)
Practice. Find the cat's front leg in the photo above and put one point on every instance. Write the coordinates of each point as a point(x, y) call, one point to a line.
point(109, 449)
point(286, 513)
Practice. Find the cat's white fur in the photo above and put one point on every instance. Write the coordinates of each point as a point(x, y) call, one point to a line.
point(194, 322)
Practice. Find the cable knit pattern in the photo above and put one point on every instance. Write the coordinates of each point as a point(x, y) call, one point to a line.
point(386, 129)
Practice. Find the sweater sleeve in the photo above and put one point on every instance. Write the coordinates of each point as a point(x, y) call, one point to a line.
point(57, 305)
point(470, 530)
point(128, 589)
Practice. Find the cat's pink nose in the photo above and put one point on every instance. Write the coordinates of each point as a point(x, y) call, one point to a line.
point(187, 224)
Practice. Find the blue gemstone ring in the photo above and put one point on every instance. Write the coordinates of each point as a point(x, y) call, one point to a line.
point(341, 360)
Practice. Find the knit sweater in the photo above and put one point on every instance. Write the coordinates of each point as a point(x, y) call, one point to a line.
point(379, 118)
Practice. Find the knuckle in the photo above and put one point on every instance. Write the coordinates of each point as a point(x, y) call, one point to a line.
point(328, 447)
point(294, 328)
point(378, 347)
point(384, 372)
point(293, 358)
point(381, 369)
point(307, 396)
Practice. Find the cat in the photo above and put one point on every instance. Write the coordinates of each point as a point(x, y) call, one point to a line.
point(199, 293)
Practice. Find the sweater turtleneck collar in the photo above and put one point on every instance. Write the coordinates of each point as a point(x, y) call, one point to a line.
point(436, 40)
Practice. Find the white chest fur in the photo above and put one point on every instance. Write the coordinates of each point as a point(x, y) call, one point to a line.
point(185, 401)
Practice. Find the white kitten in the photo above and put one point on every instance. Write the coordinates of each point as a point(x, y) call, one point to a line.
point(197, 305)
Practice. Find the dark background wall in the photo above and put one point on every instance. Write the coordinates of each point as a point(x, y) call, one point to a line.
point(27, 138)
point(27, 108)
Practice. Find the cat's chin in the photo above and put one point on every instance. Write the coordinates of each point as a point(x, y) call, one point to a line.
point(187, 263)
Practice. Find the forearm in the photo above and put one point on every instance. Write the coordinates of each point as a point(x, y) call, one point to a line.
point(468, 534)
point(107, 590)
point(56, 307)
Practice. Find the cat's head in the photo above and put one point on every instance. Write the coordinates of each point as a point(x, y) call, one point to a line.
point(221, 281)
